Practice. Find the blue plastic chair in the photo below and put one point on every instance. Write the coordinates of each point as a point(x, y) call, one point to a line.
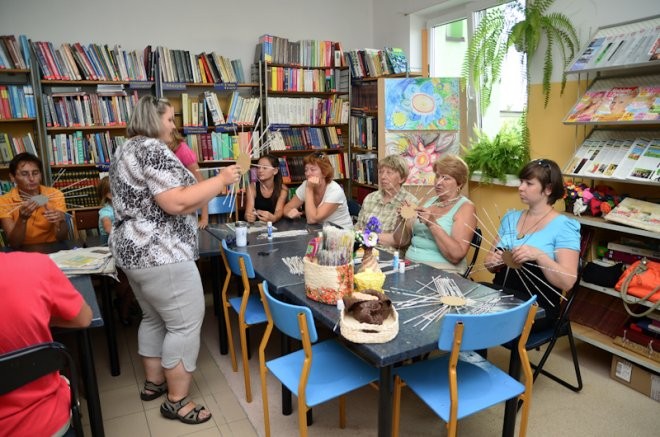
point(462, 383)
point(315, 374)
point(222, 206)
point(248, 307)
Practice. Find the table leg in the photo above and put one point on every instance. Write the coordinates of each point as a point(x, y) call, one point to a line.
point(511, 407)
point(385, 402)
point(109, 325)
point(91, 385)
point(217, 304)
point(286, 393)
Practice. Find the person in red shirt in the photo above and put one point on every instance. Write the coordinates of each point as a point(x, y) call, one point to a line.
point(36, 295)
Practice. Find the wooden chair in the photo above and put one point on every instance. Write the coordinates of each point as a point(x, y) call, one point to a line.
point(85, 223)
point(25, 365)
point(462, 382)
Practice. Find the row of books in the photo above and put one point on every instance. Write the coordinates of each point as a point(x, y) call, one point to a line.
point(93, 62)
point(628, 252)
point(78, 108)
point(617, 104)
point(365, 96)
point(626, 48)
point(364, 131)
point(305, 138)
point(218, 146)
point(637, 159)
point(375, 63)
point(79, 148)
point(364, 168)
point(12, 146)
point(308, 53)
point(78, 186)
point(293, 167)
point(5, 187)
point(183, 66)
point(311, 110)
point(305, 80)
point(17, 101)
point(206, 108)
point(14, 53)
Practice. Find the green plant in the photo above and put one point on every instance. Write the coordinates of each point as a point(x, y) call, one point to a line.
point(496, 33)
point(506, 153)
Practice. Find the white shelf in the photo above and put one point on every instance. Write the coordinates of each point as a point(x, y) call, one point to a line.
point(610, 179)
point(597, 222)
point(612, 292)
point(605, 342)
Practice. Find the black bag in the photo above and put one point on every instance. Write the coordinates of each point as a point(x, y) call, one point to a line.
point(605, 276)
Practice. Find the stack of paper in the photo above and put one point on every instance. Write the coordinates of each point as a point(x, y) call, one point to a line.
point(93, 260)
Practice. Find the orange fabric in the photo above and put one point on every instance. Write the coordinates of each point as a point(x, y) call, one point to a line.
point(39, 230)
point(642, 283)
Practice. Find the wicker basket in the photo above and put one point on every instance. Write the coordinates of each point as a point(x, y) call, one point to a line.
point(357, 332)
point(327, 284)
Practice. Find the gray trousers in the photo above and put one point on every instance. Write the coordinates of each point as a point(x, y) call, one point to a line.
point(172, 301)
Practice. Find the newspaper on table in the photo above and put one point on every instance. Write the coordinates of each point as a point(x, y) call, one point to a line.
point(85, 261)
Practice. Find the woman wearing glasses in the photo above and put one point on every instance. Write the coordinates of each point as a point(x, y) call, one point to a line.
point(323, 199)
point(538, 248)
point(154, 241)
point(442, 232)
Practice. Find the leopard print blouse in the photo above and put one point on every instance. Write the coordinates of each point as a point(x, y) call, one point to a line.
point(144, 235)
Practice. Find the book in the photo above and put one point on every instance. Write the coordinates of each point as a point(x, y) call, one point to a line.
point(397, 59)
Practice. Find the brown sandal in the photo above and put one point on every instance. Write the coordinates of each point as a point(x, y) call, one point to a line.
point(170, 410)
point(156, 389)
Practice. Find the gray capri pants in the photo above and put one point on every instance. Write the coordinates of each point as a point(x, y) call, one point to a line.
point(172, 301)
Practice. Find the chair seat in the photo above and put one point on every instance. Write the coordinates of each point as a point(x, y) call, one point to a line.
point(327, 380)
point(254, 313)
point(480, 384)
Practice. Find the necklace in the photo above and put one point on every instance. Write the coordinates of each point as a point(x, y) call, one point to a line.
point(522, 234)
point(447, 202)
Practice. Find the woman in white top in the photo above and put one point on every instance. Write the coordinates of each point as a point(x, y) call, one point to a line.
point(324, 199)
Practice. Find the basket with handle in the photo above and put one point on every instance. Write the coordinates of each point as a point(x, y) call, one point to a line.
point(327, 284)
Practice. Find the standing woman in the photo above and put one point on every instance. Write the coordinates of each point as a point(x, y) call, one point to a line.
point(544, 242)
point(266, 197)
point(442, 233)
point(324, 199)
point(155, 242)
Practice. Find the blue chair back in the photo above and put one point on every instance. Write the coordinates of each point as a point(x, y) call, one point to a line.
point(222, 205)
point(234, 265)
point(482, 331)
point(285, 317)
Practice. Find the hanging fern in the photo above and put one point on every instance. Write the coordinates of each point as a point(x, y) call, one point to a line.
point(490, 42)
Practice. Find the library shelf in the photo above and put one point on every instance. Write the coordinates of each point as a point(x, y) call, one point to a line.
point(18, 120)
point(83, 128)
point(613, 292)
point(360, 184)
point(598, 222)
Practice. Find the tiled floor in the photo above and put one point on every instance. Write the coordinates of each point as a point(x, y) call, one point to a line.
point(603, 408)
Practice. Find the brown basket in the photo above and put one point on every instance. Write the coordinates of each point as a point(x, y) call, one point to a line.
point(327, 284)
point(357, 332)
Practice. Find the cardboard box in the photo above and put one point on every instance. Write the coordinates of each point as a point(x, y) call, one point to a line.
point(638, 378)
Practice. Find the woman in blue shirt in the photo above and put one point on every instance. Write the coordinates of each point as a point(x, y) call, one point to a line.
point(543, 242)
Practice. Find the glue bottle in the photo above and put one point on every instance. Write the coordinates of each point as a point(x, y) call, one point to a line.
point(395, 261)
point(269, 227)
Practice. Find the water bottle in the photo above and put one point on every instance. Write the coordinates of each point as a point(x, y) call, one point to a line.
point(269, 227)
point(241, 234)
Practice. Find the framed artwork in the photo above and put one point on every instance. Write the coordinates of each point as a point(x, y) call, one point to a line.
point(421, 149)
point(422, 103)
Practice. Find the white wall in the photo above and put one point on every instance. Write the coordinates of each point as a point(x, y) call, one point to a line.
point(230, 28)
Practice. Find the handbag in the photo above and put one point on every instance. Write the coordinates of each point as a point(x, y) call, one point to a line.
point(641, 280)
point(605, 276)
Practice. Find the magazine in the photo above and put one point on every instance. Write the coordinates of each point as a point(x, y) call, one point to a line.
point(585, 109)
point(643, 106)
point(636, 213)
point(628, 162)
point(614, 104)
point(647, 167)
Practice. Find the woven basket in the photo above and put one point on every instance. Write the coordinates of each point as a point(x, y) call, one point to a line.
point(369, 281)
point(327, 284)
point(358, 332)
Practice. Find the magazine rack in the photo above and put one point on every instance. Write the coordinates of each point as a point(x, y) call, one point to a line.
point(622, 138)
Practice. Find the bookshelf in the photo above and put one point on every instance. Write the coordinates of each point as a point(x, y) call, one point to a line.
point(619, 126)
point(19, 124)
point(306, 109)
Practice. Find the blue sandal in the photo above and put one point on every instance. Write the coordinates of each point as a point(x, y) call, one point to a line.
point(170, 410)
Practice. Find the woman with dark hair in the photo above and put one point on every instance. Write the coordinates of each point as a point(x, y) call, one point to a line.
point(324, 199)
point(541, 245)
point(266, 196)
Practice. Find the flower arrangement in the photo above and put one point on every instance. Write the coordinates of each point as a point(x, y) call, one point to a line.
point(368, 237)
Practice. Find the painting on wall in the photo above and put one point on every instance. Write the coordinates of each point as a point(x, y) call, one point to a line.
point(421, 149)
point(421, 103)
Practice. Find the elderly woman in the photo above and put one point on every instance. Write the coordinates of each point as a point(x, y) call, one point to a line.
point(387, 201)
point(545, 242)
point(154, 241)
point(323, 198)
point(442, 232)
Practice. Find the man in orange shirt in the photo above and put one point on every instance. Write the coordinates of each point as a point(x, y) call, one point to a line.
point(31, 213)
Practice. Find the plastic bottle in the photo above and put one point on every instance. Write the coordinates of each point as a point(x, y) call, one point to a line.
point(270, 230)
point(402, 267)
point(395, 261)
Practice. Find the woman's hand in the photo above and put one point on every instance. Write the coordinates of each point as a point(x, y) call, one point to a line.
point(27, 209)
point(426, 215)
point(494, 261)
point(313, 182)
point(230, 175)
point(265, 216)
point(251, 216)
point(52, 215)
point(524, 253)
point(293, 214)
point(202, 223)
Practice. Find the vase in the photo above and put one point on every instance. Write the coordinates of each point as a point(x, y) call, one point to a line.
point(369, 261)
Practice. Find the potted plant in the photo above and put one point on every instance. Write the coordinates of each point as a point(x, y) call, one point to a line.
point(505, 154)
point(523, 27)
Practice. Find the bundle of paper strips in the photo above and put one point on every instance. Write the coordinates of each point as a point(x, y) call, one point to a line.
point(93, 260)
